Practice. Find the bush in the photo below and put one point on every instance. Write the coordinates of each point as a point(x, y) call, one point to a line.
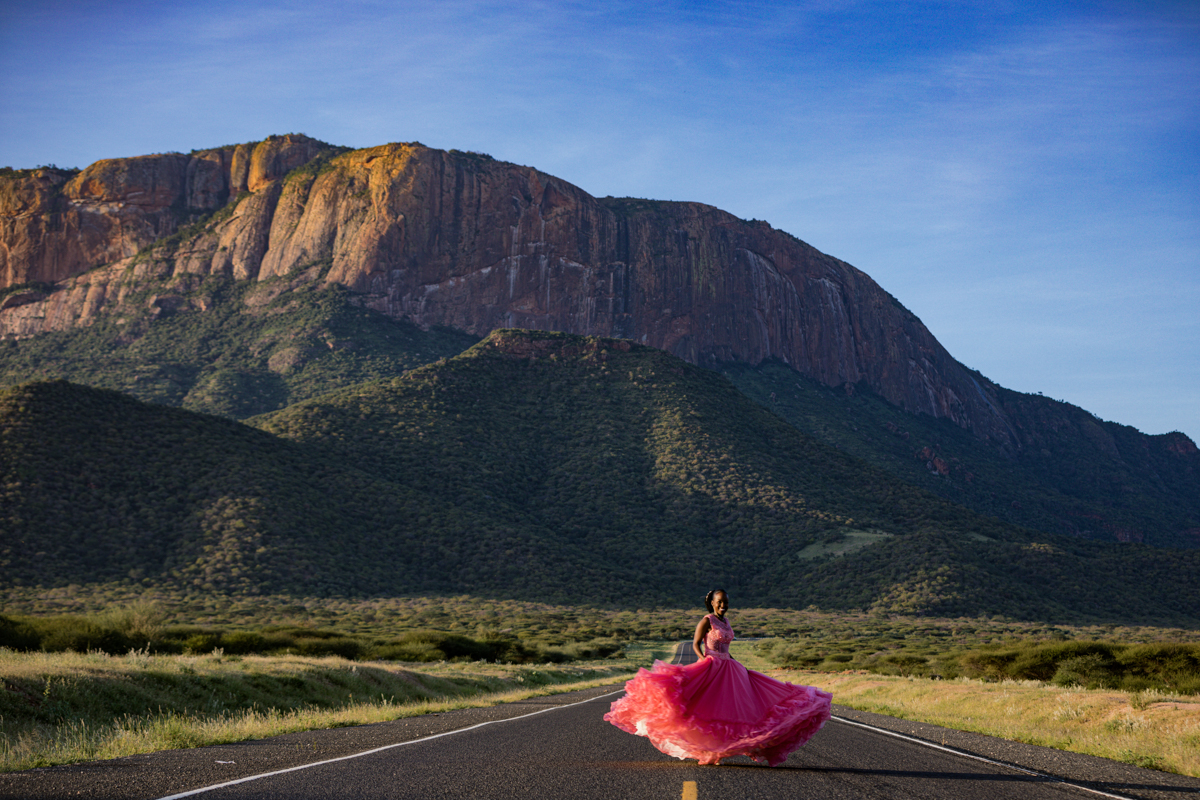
point(17, 635)
point(342, 646)
point(434, 646)
point(905, 665)
point(596, 648)
point(1161, 666)
point(409, 651)
point(986, 665)
point(1173, 666)
point(202, 643)
point(1034, 661)
point(1041, 662)
point(137, 621)
point(116, 633)
point(81, 634)
point(240, 643)
point(1091, 671)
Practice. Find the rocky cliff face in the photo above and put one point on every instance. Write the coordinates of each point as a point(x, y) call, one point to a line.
point(458, 239)
point(55, 224)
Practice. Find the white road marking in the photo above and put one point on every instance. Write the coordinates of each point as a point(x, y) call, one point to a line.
point(249, 778)
point(952, 751)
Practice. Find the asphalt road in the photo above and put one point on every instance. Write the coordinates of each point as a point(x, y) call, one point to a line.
point(559, 747)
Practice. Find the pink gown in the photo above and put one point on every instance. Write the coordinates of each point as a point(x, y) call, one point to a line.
point(717, 708)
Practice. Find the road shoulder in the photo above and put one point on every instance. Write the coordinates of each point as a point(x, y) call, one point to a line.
point(152, 775)
point(1093, 772)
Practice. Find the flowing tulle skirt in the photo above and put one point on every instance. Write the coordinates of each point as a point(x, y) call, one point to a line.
point(717, 708)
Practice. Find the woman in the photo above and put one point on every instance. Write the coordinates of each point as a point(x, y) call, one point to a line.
point(717, 708)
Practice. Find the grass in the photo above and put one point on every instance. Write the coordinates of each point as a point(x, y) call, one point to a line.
point(1147, 729)
point(841, 543)
point(67, 707)
point(1150, 729)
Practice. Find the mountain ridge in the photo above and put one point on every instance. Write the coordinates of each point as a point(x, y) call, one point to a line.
point(464, 241)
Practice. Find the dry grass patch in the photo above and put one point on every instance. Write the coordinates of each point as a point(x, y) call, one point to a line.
point(1147, 729)
point(58, 708)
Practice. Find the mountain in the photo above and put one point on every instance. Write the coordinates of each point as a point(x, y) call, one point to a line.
point(463, 241)
point(242, 279)
point(533, 466)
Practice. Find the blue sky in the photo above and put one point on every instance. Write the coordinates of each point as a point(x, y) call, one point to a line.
point(1024, 176)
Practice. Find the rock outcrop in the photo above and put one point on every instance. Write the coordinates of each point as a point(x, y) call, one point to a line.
point(55, 224)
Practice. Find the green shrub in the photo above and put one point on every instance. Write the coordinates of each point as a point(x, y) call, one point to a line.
point(119, 632)
point(342, 646)
point(244, 643)
point(896, 648)
point(905, 665)
point(1166, 662)
point(81, 634)
point(1091, 671)
point(18, 635)
point(1136, 685)
point(596, 648)
point(1041, 662)
point(987, 665)
point(202, 643)
point(409, 651)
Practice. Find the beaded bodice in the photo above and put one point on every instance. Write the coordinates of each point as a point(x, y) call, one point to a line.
point(716, 641)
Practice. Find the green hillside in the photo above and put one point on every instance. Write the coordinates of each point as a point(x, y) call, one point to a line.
point(635, 451)
point(230, 348)
point(1076, 476)
point(636, 458)
point(100, 488)
point(533, 466)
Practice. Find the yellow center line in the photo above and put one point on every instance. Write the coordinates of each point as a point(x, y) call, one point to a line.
point(689, 790)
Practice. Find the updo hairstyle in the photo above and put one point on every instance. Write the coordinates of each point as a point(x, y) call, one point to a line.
point(708, 598)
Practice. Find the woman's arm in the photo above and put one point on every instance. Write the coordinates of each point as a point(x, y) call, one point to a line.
point(698, 639)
